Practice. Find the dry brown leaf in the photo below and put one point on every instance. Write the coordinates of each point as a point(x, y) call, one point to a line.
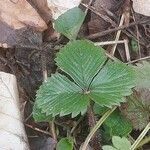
point(142, 7)
point(19, 13)
point(42, 8)
point(15, 15)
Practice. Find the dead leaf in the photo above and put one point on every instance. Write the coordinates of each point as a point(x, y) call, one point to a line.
point(46, 13)
point(137, 108)
point(142, 7)
point(42, 8)
point(19, 14)
point(16, 16)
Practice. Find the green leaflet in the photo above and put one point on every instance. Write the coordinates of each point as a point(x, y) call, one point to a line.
point(61, 96)
point(91, 79)
point(65, 144)
point(116, 124)
point(82, 61)
point(70, 22)
point(118, 144)
point(111, 84)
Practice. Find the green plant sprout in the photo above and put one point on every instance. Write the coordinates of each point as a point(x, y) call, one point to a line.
point(87, 76)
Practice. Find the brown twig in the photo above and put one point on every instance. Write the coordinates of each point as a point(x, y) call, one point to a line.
point(37, 129)
point(99, 34)
point(140, 59)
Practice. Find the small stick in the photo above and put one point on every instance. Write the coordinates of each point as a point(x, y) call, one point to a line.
point(37, 129)
point(140, 59)
point(127, 50)
point(118, 34)
point(141, 136)
point(108, 43)
point(99, 34)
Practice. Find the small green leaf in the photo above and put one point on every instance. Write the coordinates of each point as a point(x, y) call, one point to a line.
point(107, 147)
point(61, 96)
point(121, 143)
point(118, 144)
point(65, 144)
point(81, 60)
point(111, 84)
point(116, 124)
point(70, 22)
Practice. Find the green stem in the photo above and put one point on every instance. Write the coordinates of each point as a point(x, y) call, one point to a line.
point(144, 141)
point(96, 127)
point(141, 136)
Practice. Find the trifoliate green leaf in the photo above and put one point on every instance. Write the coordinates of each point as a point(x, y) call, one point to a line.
point(61, 96)
point(82, 61)
point(106, 84)
point(70, 22)
point(65, 144)
point(111, 84)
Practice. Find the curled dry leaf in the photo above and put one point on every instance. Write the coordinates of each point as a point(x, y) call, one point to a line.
point(16, 15)
point(142, 7)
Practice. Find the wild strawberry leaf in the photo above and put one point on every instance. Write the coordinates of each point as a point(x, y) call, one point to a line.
point(70, 22)
point(92, 80)
point(61, 96)
point(111, 84)
point(82, 61)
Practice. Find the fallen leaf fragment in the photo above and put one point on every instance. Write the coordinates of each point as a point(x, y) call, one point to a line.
point(42, 8)
point(15, 16)
point(19, 14)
